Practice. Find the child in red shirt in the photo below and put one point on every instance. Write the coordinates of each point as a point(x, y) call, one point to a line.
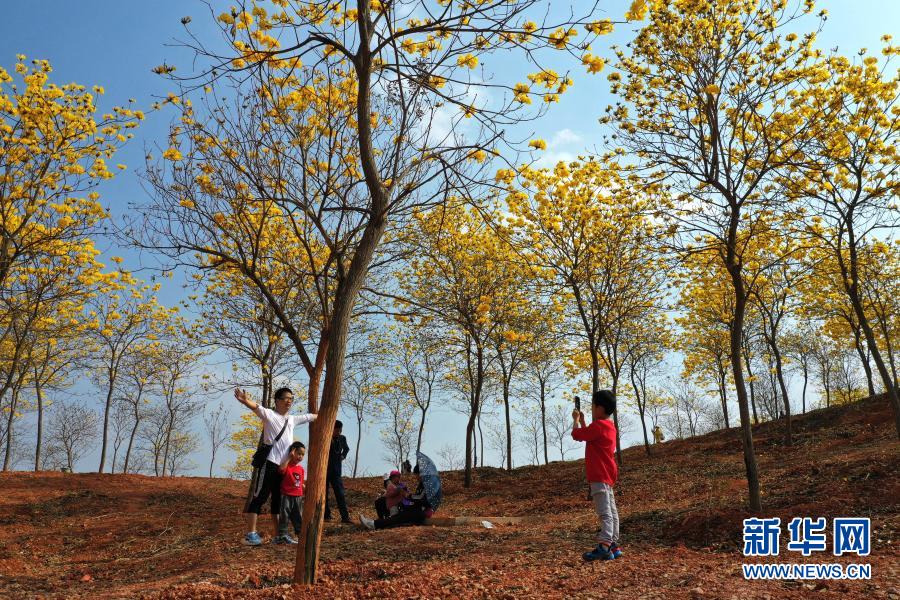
point(292, 482)
point(602, 470)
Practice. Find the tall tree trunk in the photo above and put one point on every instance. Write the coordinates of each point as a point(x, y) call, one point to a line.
point(480, 454)
point(805, 381)
point(779, 373)
point(544, 418)
point(359, 424)
point(851, 284)
point(7, 455)
point(615, 390)
point(737, 330)
point(864, 360)
point(752, 387)
point(723, 397)
point(421, 430)
point(641, 406)
point(306, 565)
point(111, 373)
point(165, 460)
point(470, 443)
point(40, 420)
point(508, 425)
point(134, 429)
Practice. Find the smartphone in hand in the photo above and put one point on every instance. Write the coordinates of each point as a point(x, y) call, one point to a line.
point(578, 403)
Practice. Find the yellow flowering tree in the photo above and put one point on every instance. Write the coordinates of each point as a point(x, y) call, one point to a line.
point(341, 130)
point(120, 319)
point(712, 102)
point(584, 225)
point(53, 153)
point(851, 179)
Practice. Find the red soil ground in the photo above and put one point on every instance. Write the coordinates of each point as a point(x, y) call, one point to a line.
point(115, 536)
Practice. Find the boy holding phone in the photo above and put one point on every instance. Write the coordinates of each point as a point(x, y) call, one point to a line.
point(602, 470)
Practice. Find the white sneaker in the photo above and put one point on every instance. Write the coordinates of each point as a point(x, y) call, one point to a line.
point(367, 523)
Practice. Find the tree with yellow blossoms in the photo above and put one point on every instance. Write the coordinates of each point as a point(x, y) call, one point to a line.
point(584, 225)
point(457, 277)
point(706, 309)
point(337, 130)
point(851, 178)
point(120, 321)
point(53, 153)
point(712, 103)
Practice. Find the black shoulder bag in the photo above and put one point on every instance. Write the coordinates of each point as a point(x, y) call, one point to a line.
point(262, 451)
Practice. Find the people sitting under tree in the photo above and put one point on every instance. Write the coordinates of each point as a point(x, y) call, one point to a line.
point(412, 509)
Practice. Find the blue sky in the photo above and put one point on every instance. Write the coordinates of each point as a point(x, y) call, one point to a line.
point(116, 44)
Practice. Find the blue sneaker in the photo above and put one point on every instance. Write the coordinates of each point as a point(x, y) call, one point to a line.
point(601, 552)
point(252, 539)
point(287, 539)
point(616, 551)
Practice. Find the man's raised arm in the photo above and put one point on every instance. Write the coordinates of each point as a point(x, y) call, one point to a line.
point(244, 398)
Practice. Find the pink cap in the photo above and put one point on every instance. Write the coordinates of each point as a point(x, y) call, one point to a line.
point(394, 472)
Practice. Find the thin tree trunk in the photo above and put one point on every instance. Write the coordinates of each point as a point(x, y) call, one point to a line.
point(470, 437)
point(544, 419)
point(779, 372)
point(752, 387)
point(359, 423)
point(723, 397)
point(421, 430)
point(640, 405)
point(864, 361)
point(805, 380)
point(7, 456)
point(615, 390)
point(40, 420)
point(130, 444)
point(851, 284)
point(508, 426)
point(111, 373)
point(737, 330)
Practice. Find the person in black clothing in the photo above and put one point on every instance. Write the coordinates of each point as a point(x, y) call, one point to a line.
point(336, 455)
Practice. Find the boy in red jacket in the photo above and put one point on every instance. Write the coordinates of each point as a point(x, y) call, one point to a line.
point(292, 481)
point(602, 471)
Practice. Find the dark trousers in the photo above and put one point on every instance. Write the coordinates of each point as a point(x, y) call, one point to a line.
point(412, 515)
point(265, 482)
point(336, 483)
point(381, 507)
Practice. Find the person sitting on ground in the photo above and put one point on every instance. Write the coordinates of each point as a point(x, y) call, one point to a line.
point(381, 501)
point(292, 482)
point(413, 512)
point(395, 492)
point(278, 434)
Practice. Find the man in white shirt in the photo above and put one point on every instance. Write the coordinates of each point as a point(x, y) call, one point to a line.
point(266, 481)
